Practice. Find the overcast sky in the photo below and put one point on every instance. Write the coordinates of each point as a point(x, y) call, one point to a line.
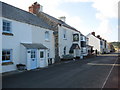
point(86, 16)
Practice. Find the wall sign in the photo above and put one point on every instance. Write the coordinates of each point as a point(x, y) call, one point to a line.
point(75, 37)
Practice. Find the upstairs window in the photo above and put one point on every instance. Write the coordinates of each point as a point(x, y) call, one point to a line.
point(6, 26)
point(64, 34)
point(48, 54)
point(82, 38)
point(83, 44)
point(47, 35)
point(101, 43)
point(6, 55)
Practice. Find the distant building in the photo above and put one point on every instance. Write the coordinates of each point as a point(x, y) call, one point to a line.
point(110, 48)
point(90, 50)
point(97, 42)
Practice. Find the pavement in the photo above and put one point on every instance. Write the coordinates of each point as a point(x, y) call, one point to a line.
point(97, 72)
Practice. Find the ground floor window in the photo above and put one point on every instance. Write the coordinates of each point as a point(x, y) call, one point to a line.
point(64, 50)
point(6, 55)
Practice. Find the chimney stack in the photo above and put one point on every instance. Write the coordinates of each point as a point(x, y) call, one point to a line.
point(93, 33)
point(98, 36)
point(35, 8)
point(63, 18)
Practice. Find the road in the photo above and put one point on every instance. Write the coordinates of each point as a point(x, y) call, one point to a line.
point(96, 72)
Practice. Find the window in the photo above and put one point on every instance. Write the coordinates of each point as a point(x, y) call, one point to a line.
point(33, 53)
point(48, 54)
point(83, 44)
point(6, 26)
point(47, 35)
point(41, 54)
point(105, 45)
point(64, 34)
point(6, 55)
point(81, 38)
point(101, 43)
point(64, 50)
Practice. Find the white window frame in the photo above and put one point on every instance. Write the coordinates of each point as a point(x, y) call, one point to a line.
point(64, 34)
point(43, 54)
point(11, 52)
point(64, 50)
point(48, 54)
point(47, 35)
point(10, 27)
point(81, 38)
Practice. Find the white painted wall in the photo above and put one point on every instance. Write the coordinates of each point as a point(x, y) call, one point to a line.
point(66, 42)
point(38, 36)
point(23, 55)
point(0, 38)
point(0, 46)
point(94, 41)
point(21, 33)
point(24, 33)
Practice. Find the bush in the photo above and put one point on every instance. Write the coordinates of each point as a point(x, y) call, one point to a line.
point(67, 57)
point(21, 66)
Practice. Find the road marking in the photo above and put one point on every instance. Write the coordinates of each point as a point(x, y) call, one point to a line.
point(103, 64)
point(109, 74)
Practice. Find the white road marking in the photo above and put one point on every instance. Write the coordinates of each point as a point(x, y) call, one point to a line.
point(109, 74)
point(103, 64)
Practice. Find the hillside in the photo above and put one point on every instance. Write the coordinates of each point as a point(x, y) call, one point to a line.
point(116, 44)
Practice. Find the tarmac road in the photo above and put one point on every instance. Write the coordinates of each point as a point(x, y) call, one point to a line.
point(98, 72)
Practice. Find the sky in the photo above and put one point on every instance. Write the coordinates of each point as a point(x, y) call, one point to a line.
point(100, 16)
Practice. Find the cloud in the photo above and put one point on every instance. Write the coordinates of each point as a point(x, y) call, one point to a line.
point(74, 21)
point(106, 8)
point(77, 1)
point(104, 28)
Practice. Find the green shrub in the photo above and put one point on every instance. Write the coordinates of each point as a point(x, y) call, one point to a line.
point(67, 57)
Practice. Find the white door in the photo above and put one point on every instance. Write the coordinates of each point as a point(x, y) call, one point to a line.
point(77, 52)
point(42, 58)
point(33, 57)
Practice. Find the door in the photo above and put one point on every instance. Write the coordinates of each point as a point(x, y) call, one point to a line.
point(77, 52)
point(42, 58)
point(33, 58)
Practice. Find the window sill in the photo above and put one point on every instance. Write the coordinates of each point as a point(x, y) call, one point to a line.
point(7, 63)
point(9, 34)
point(47, 40)
point(64, 38)
point(75, 41)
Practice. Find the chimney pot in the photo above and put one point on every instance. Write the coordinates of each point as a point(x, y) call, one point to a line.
point(35, 8)
point(63, 18)
point(98, 36)
point(93, 33)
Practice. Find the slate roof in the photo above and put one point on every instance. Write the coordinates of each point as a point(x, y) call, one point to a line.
point(74, 46)
point(59, 21)
point(34, 46)
point(14, 13)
